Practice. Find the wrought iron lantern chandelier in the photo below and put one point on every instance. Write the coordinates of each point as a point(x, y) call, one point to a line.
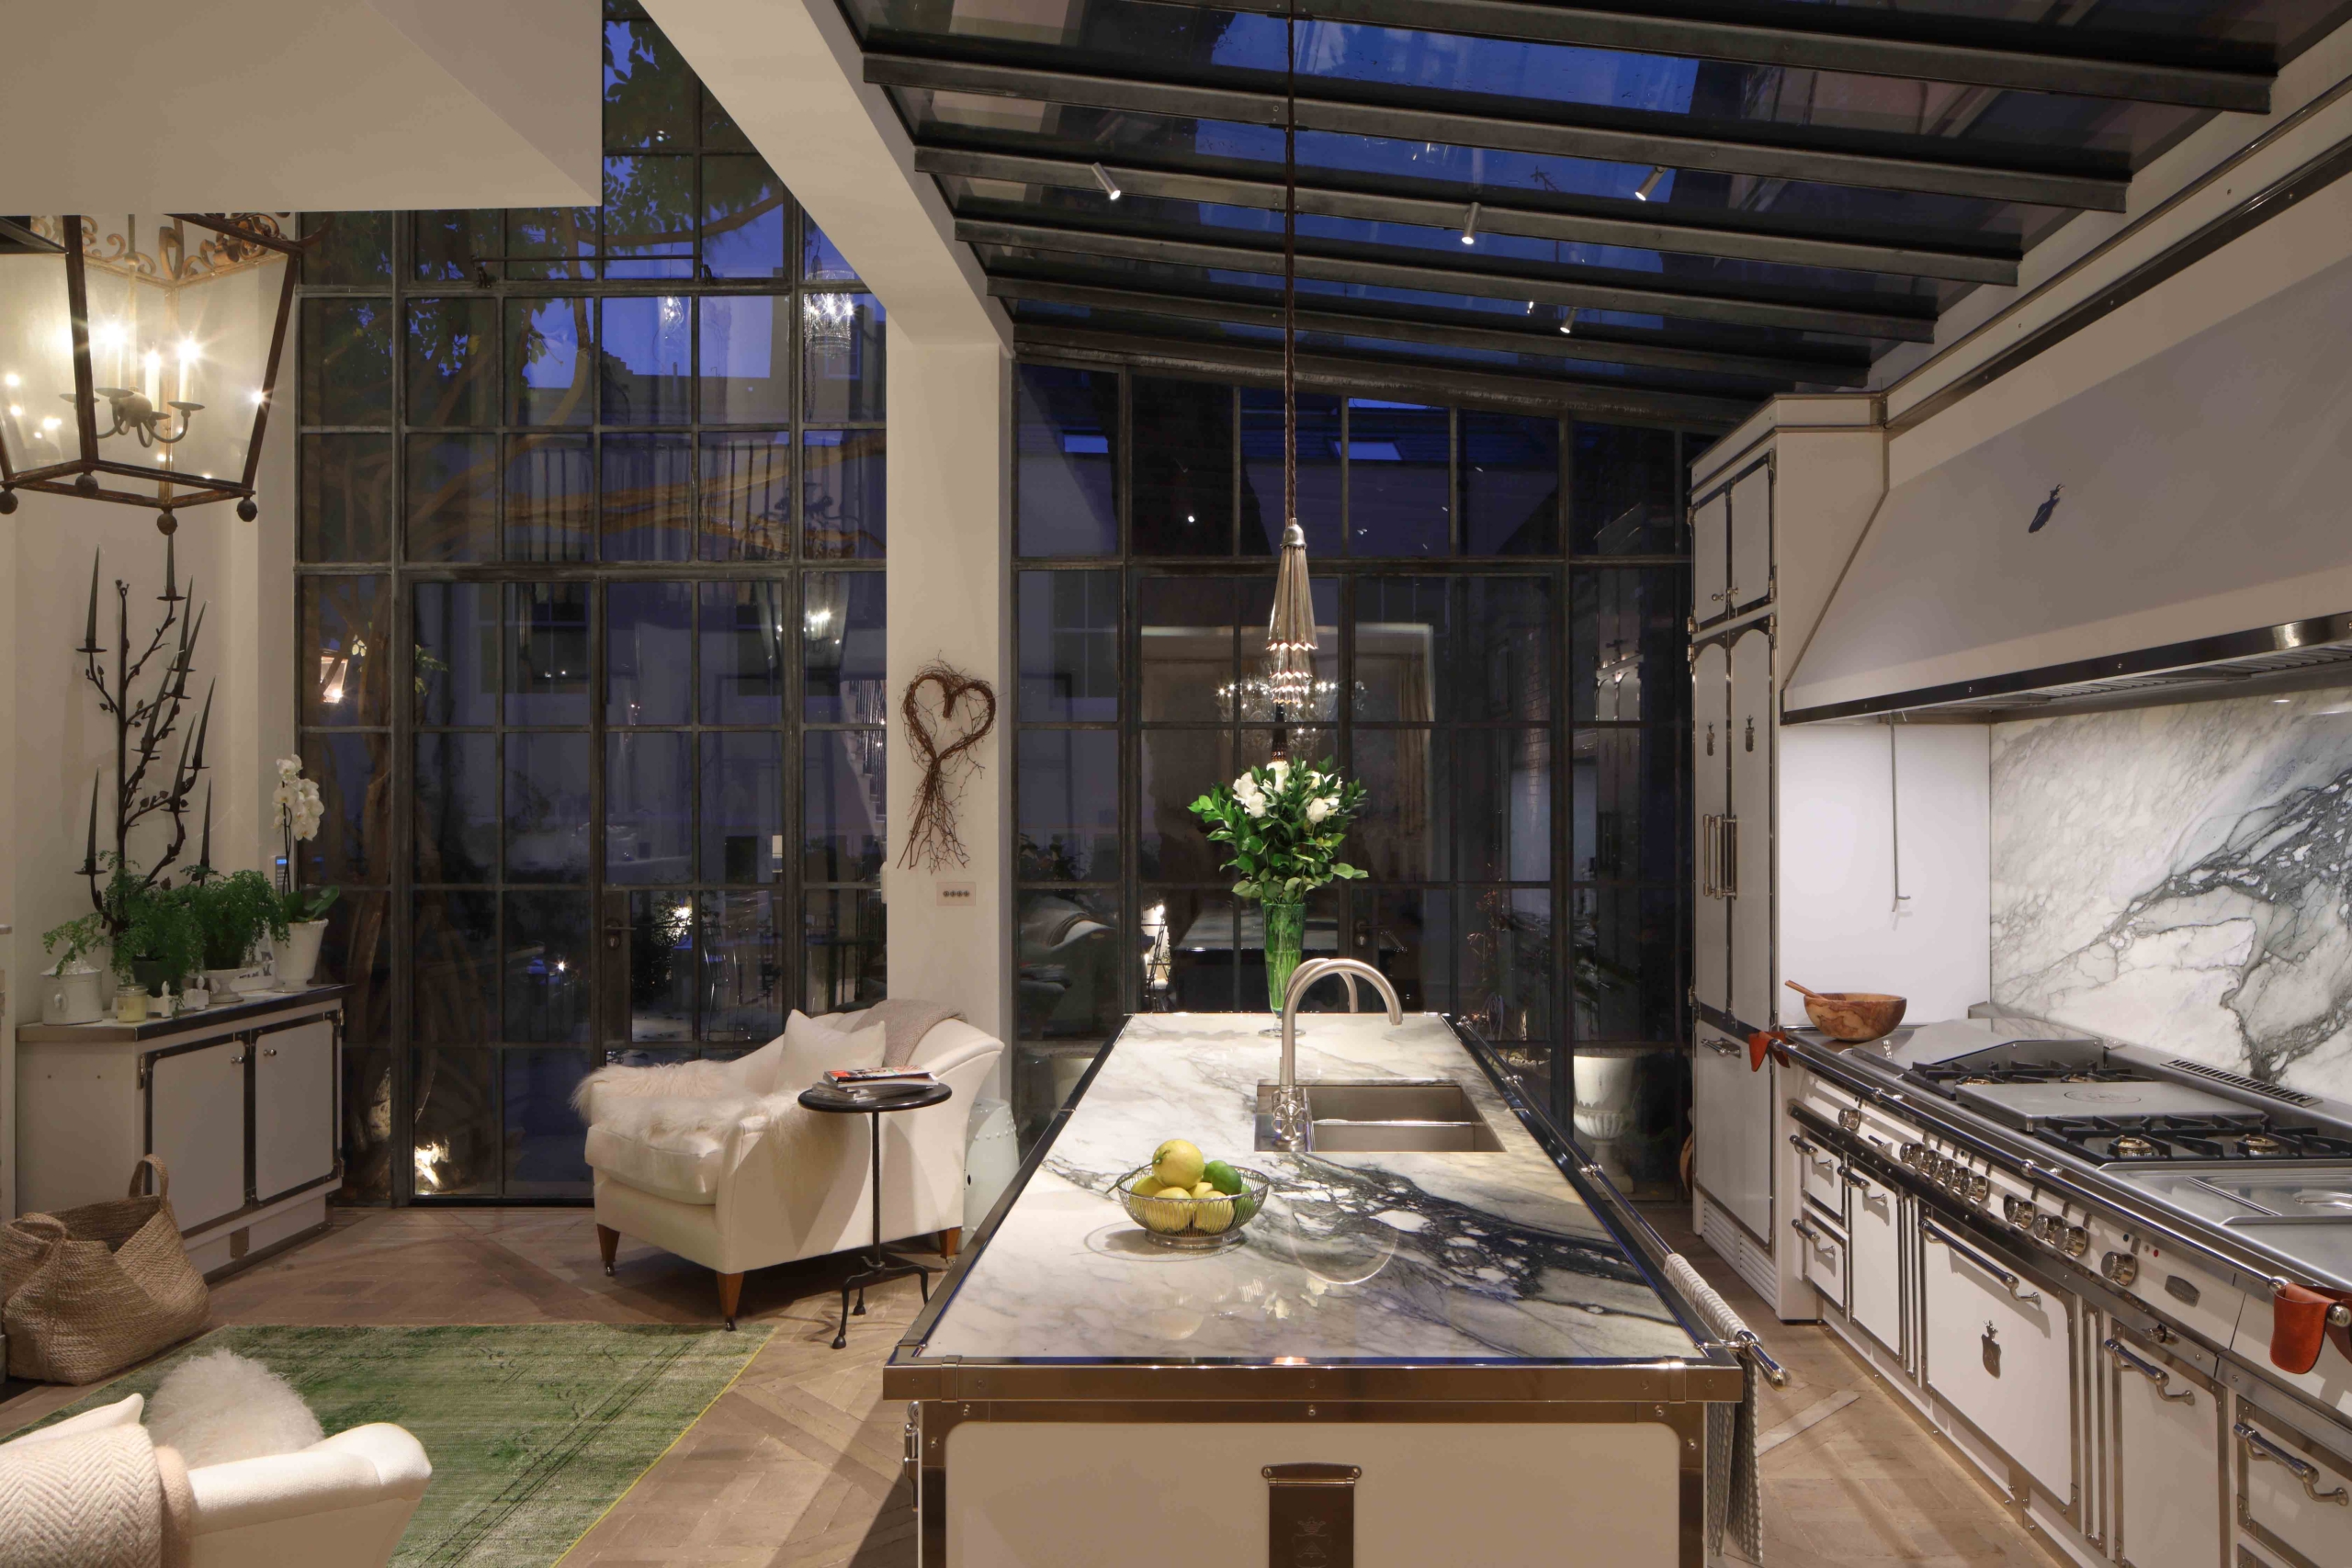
point(1289, 631)
point(141, 376)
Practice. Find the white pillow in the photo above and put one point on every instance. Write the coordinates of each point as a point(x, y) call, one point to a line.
point(223, 1407)
point(123, 1412)
point(809, 1048)
point(755, 1070)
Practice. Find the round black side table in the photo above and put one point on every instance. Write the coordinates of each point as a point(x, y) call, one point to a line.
point(880, 1267)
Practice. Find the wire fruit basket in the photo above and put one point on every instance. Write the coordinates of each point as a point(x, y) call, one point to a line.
point(1200, 1224)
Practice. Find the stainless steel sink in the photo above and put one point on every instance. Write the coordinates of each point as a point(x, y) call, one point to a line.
point(1434, 1117)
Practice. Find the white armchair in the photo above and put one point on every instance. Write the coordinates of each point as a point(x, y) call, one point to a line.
point(702, 1167)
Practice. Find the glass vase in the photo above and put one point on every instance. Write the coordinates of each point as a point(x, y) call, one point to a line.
point(1285, 937)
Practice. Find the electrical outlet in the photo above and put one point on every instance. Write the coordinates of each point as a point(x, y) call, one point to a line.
point(959, 893)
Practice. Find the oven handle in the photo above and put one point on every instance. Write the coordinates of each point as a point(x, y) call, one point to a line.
point(2155, 1374)
point(1962, 1249)
point(2259, 1447)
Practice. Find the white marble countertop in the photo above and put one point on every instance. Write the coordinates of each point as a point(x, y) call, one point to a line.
point(1420, 1256)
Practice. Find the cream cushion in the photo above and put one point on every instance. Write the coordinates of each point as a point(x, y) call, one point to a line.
point(810, 1048)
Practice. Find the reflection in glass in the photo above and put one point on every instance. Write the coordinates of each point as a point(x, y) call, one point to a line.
point(457, 807)
point(1065, 461)
point(1187, 647)
point(845, 944)
point(1398, 461)
point(347, 361)
point(741, 965)
point(1178, 767)
point(1186, 957)
point(344, 672)
point(647, 364)
point(841, 648)
point(456, 650)
point(1401, 625)
point(843, 804)
point(1409, 934)
point(1401, 833)
point(1502, 665)
point(1261, 472)
point(743, 208)
point(1626, 499)
point(1069, 790)
point(546, 808)
point(742, 807)
point(842, 357)
point(1503, 783)
point(1507, 962)
point(346, 497)
point(549, 242)
point(453, 999)
point(551, 499)
point(546, 985)
point(650, 216)
point(548, 660)
point(1182, 498)
point(649, 498)
point(459, 1151)
point(1069, 646)
point(350, 249)
point(452, 361)
point(366, 1124)
point(1626, 658)
point(661, 966)
point(843, 514)
point(453, 247)
point(1510, 484)
point(452, 498)
point(747, 496)
point(746, 345)
point(550, 355)
point(648, 806)
point(1067, 984)
point(745, 651)
point(1626, 784)
point(648, 653)
point(354, 842)
point(357, 951)
point(649, 89)
point(544, 1156)
point(1624, 946)
point(821, 260)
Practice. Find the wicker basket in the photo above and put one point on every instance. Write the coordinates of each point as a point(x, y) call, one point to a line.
point(92, 1290)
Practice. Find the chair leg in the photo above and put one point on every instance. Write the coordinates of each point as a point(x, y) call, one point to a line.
point(730, 1291)
point(950, 1239)
point(608, 1242)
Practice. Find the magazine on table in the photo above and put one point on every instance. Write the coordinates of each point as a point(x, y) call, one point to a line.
point(858, 1077)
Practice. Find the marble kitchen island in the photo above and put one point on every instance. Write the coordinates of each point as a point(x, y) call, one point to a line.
point(1489, 1340)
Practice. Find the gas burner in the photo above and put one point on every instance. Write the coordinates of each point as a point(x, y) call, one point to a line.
point(2235, 1137)
point(1966, 1082)
point(2130, 1145)
point(2261, 1146)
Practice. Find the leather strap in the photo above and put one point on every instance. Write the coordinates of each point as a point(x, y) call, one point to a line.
point(2299, 1323)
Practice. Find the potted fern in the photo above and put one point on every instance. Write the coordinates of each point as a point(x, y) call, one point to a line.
point(232, 914)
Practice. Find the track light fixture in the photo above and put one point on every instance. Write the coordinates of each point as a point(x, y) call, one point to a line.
point(1110, 186)
point(1470, 226)
point(1650, 182)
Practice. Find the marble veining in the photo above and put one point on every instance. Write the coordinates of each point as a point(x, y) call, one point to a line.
point(2177, 878)
point(1392, 1255)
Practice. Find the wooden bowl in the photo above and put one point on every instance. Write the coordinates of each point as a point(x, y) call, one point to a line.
point(1854, 1017)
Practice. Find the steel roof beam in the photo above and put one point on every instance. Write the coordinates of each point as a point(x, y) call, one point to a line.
point(1571, 132)
point(1324, 201)
point(1551, 288)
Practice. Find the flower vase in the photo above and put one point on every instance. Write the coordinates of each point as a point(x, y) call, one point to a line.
point(1285, 938)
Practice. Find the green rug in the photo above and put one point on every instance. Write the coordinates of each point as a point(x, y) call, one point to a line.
point(534, 1431)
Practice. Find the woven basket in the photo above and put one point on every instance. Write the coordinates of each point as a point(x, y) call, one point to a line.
point(92, 1290)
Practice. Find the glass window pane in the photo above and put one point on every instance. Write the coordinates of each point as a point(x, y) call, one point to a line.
point(1626, 788)
point(547, 663)
point(1067, 984)
point(367, 1117)
point(841, 648)
point(648, 652)
point(1500, 664)
point(354, 842)
point(1179, 766)
point(649, 807)
point(457, 652)
point(1186, 956)
point(1068, 784)
point(1065, 461)
point(454, 998)
point(1402, 623)
point(1510, 484)
point(1069, 644)
point(661, 964)
point(550, 361)
point(842, 800)
point(458, 808)
point(544, 1153)
point(347, 362)
point(452, 362)
point(742, 807)
point(459, 1151)
point(742, 969)
point(1624, 944)
point(546, 808)
point(452, 498)
point(746, 343)
point(346, 497)
point(1507, 962)
point(745, 651)
point(348, 248)
point(551, 499)
point(718, 129)
point(1407, 935)
point(647, 363)
point(650, 216)
point(546, 985)
point(1187, 644)
point(452, 247)
point(649, 498)
point(345, 673)
point(842, 358)
point(744, 210)
point(649, 89)
point(1398, 458)
point(844, 513)
point(1401, 833)
point(843, 950)
point(1183, 452)
point(357, 951)
point(821, 260)
point(1262, 471)
point(1626, 490)
point(1503, 781)
point(747, 496)
point(550, 243)
point(1626, 643)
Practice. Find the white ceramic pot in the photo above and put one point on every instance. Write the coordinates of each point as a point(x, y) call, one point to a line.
point(297, 955)
point(1604, 1096)
point(196, 998)
point(72, 998)
point(226, 983)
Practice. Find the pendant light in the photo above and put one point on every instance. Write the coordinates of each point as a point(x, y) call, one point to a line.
point(1289, 631)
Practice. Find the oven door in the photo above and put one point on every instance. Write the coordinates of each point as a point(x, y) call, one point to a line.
point(2000, 1349)
point(2168, 1475)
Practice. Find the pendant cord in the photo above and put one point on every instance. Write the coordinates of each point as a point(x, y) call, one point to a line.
point(1290, 264)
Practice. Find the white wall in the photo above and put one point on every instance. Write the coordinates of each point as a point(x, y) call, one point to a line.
point(1841, 926)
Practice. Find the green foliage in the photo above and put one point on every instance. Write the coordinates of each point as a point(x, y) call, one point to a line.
point(1286, 824)
point(299, 903)
point(231, 912)
point(79, 937)
point(154, 924)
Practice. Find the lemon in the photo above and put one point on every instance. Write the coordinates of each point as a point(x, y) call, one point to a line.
point(1221, 1176)
point(1164, 1214)
point(1211, 1217)
point(1147, 1184)
point(1178, 1163)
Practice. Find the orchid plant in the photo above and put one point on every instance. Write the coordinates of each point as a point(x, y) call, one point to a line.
point(1286, 824)
point(299, 811)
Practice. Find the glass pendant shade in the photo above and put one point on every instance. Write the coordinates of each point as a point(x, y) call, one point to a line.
point(137, 357)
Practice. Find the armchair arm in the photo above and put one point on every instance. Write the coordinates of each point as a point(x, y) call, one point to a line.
point(399, 1458)
point(251, 1492)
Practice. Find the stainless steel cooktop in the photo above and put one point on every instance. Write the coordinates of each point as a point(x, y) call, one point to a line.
point(2025, 1106)
point(2302, 1213)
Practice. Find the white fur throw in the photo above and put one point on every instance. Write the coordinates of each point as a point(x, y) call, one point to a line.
point(223, 1407)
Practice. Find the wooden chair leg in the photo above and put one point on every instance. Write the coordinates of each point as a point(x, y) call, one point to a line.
point(730, 1291)
point(608, 1242)
point(950, 1239)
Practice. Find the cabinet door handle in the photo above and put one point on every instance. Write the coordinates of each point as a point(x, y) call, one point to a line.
point(2155, 1374)
point(269, 1051)
point(1728, 843)
point(238, 1060)
point(2258, 1447)
point(1854, 1181)
point(2012, 1282)
point(1707, 822)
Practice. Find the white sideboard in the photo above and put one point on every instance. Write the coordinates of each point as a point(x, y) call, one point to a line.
point(239, 1103)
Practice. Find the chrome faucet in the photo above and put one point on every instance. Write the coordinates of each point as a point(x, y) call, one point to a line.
point(1292, 1121)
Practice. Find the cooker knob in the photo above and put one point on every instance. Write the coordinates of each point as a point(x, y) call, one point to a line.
point(2079, 1241)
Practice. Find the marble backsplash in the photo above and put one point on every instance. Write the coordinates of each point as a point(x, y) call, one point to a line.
point(2181, 877)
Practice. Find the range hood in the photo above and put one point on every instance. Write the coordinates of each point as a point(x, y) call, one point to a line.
point(2182, 529)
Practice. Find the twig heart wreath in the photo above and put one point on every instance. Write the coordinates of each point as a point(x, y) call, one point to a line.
point(932, 834)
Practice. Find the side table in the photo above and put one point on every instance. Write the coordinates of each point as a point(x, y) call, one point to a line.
point(880, 1265)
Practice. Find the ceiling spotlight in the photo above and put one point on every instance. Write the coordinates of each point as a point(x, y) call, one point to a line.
point(1470, 226)
point(1110, 186)
point(1567, 319)
point(1650, 182)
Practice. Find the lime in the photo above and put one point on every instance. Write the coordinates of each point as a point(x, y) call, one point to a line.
point(1244, 1206)
point(1222, 1176)
point(1178, 1163)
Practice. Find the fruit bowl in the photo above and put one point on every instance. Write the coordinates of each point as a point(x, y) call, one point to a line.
point(1201, 1224)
